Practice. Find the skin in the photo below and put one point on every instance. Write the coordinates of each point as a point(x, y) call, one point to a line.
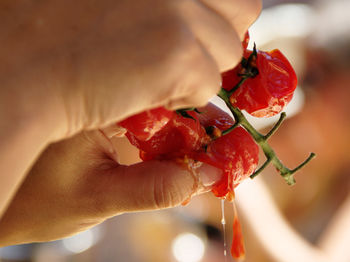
point(70, 67)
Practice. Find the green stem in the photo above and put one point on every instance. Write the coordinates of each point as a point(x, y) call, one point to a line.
point(230, 129)
point(257, 172)
point(276, 126)
point(237, 86)
point(239, 117)
point(249, 70)
point(261, 140)
point(311, 156)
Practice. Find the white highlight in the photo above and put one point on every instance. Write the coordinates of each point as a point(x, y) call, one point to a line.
point(80, 242)
point(223, 222)
point(188, 247)
point(286, 20)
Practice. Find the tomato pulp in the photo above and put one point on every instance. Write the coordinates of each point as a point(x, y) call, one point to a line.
point(236, 153)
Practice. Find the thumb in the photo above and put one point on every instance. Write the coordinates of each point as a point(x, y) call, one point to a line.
point(154, 185)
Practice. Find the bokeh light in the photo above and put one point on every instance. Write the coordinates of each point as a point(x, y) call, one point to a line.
point(80, 242)
point(188, 247)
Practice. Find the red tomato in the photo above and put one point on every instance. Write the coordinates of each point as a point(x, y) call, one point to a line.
point(181, 136)
point(267, 93)
point(235, 153)
point(144, 125)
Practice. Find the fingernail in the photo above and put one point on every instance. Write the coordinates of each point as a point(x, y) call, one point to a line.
point(208, 176)
point(114, 131)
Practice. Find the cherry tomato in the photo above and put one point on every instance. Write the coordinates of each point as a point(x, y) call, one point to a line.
point(179, 137)
point(236, 154)
point(269, 91)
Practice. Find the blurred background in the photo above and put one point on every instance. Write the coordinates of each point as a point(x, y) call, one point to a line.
point(309, 221)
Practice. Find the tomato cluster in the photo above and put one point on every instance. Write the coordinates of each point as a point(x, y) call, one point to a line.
point(192, 138)
point(262, 84)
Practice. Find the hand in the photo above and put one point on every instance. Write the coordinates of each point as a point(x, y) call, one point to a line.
point(77, 184)
point(85, 64)
point(68, 66)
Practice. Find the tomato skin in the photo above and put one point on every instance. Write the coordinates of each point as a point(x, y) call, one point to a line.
point(144, 125)
point(181, 136)
point(267, 93)
point(237, 154)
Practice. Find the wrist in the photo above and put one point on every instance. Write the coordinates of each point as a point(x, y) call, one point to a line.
point(25, 131)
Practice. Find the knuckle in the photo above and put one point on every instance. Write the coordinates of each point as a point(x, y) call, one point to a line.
point(183, 64)
point(163, 196)
point(169, 191)
point(249, 12)
point(258, 7)
point(200, 69)
point(254, 8)
point(170, 39)
point(184, 71)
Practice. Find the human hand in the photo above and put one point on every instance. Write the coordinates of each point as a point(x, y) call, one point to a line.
point(77, 183)
point(85, 64)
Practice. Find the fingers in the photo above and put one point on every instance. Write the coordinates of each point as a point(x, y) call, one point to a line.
point(218, 27)
point(239, 13)
point(168, 53)
point(153, 185)
point(218, 37)
point(201, 79)
point(110, 188)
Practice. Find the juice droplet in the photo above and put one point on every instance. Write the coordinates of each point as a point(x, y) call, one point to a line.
point(223, 222)
point(237, 249)
point(192, 166)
